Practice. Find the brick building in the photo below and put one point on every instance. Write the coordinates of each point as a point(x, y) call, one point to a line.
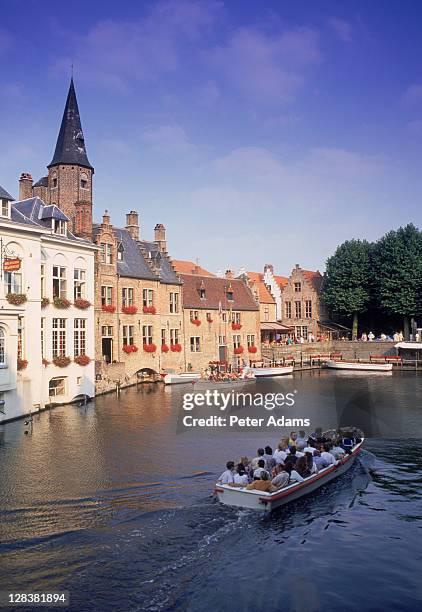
point(220, 318)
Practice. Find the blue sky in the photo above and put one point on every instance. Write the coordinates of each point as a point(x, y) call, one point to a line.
point(256, 132)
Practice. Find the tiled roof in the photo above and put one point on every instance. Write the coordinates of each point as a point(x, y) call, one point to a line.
point(281, 281)
point(264, 296)
point(133, 264)
point(189, 267)
point(315, 278)
point(216, 293)
point(4, 195)
point(43, 182)
point(160, 262)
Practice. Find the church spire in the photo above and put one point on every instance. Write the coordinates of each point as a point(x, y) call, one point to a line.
point(70, 147)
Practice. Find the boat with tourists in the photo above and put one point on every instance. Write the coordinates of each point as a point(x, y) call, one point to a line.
point(265, 372)
point(358, 365)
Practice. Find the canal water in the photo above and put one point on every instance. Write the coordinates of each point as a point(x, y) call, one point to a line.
point(113, 503)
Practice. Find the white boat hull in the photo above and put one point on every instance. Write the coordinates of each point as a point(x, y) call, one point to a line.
point(271, 372)
point(178, 379)
point(223, 385)
point(265, 502)
point(349, 365)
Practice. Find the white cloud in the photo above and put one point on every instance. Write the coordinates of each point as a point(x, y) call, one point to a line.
point(341, 28)
point(168, 139)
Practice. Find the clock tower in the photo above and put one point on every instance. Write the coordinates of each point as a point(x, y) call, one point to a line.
point(70, 173)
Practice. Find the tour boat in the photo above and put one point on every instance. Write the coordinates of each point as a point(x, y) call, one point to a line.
point(265, 502)
point(271, 372)
point(235, 384)
point(177, 379)
point(350, 365)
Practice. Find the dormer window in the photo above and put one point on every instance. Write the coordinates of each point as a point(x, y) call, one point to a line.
point(202, 293)
point(5, 208)
point(59, 227)
point(230, 294)
point(120, 251)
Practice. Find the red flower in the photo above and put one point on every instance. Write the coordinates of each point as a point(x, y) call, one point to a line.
point(81, 304)
point(252, 349)
point(22, 363)
point(108, 308)
point(45, 362)
point(129, 309)
point(196, 322)
point(130, 348)
point(209, 320)
point(60, 302)
point(45, 302)
point(164, 348)
point(236, 326)
point(176, 348)
point(150, 348)
point(61, 361)
point(238, 350)
point(82, 360)
point(149, 309)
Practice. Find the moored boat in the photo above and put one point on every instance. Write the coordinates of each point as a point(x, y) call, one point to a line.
point(235, 384)
point(351, 365)
point(177, 379)
point(272, 372)
point(265, 502)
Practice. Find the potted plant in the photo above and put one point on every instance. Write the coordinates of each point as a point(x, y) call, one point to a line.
point(22, 363)
point(149, 309)
point(164, 348)
point(176, 348)
point(196, 322)
point(236, 326)
point(108, 308)
point(16, 298)
point(45, 362)
point(45, 302)
point(130, 348)
point(150, 348)
point(61, 361)
point(129, 310)
point(252, 349)
point(82, 360)
point(238, 350)
point(81, 303)
point(60, 302)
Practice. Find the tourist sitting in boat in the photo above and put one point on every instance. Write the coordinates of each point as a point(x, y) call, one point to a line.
point(282, 450)
point(294, 475)
point(326, 455)
point(240, 477)
point(292, 439)
point(301, 441)
point(281, 477)
point(319, 461)
point(257, 475)
point(311, 463)
point(291, 458)
point(337, 451)
point(269, 459)
point(248, 468)
point(260, 455)
point(302, 467)
point(227, 477)
point(263, 484)
point(310, 447)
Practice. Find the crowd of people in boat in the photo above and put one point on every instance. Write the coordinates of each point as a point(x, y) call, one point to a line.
point(215, 374)
point(296, 458)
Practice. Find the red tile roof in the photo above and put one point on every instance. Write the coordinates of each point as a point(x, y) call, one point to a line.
point(183, 266)
point(314, 278)
point(264, 295)
point(216, 293)
point(281, 281)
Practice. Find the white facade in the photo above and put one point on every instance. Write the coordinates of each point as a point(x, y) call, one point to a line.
point(32, 333)
point(275, 290)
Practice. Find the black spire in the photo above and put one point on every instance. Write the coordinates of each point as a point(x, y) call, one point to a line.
point(70, 147)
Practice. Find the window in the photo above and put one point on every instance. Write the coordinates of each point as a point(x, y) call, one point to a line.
point(174, 303)
point(79, 337)
point(230, 294)
point(42, 277)
point(194, 315)
point(106, 253)
point(57, 386)
point(2, 347)
point(5, 208)
point(288, 310)
point(209, 317)
point(20, 338)
point(42, 338)
point(54, 181)
point(236, 317)
point(147, 297)
point(202, 293)
point(222, 340)
point(224, 317)
point(127, 296)
point(266, 314)
point(106, 295)
point(250, 339)
point(59, 282)
point(59, 227)
point(13, 282)
point(79, 283)
point(298, 310)
point(128, 335)
point(107, 331)
point(59, 337)
point(236, 341)
point(298, 287)
point(147, 334)
point(120, 251)
point(308, 309)
point(163, 337)
point(195, 344)
point(302, 330)
point(84, 181)
point(174, 336)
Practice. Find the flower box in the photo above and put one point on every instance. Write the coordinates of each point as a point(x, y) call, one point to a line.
point(150, 348)
point(81, 304)
point(130, 348)
point(209, 320)
point(82, 360)
point(252, 349)
point(61, 361)
point(16, 298)
point(22, 363)
point(45, 362)
point(236, 326)
point(108, 308)
point(45, 302)
point(164, 348)
point(176, 348)
point(129, 310)
point(60, 302)
point(149, 309)
point(196, 322)
point(238, 350)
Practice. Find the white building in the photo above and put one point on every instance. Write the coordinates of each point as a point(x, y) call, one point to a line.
point(46, 309)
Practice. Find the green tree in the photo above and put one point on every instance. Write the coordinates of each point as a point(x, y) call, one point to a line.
point(346, 287)
point(397, 267)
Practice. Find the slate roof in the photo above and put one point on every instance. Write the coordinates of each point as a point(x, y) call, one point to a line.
point(4, 195)
point(70, 147)
point(216, 293)
point(43, 182)
point(160, 263)
point(189, 267)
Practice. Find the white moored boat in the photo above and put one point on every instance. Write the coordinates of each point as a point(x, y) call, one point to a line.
point(350, 365)
point(236, 384)
point(271, 372)
point(265, 502)
point(177, 379)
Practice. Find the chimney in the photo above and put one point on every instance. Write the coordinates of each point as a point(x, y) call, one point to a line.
point(269, 267)
point(132, 224)
point(106, 218)
point(25, 186)
point(160, 237)
point(297, 266)
point(229, 274)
